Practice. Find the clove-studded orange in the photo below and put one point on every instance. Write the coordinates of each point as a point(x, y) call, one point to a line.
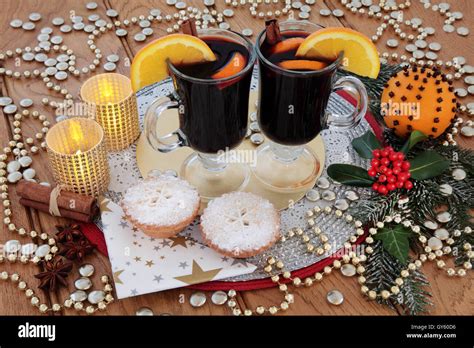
point(418, 98)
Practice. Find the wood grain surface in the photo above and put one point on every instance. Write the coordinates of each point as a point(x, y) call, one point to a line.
point(451, 297)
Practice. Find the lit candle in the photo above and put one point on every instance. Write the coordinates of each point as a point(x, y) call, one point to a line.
point(112, 103)
point(76, 149)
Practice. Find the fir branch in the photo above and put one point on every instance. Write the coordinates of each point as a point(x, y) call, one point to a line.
point(460, 157)
point(375, 208)
point(458, 248)
point(413, 298)
point(382, 269)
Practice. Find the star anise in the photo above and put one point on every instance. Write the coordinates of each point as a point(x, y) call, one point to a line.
point(76, 250)
point(69, 233)
point(55, 272)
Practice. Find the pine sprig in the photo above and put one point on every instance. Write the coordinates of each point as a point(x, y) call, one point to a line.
point(425, 200)
point(460, 156)
point(381, 271)
point(460, 256)
point(375, 208)
point(414, 298)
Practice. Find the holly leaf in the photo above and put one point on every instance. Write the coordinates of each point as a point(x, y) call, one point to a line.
point(350, 175)
point(415, 138)
point(427, 165)
point(365, 144)
point(396, 241)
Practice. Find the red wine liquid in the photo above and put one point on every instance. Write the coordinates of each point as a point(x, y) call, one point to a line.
point(291, 105)
point(214, 116)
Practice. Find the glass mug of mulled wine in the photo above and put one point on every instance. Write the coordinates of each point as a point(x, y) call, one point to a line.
point(293, 97)
point(212, 101)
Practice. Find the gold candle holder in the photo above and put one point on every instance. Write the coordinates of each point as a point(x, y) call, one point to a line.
point(78, 156)
point(112, 103)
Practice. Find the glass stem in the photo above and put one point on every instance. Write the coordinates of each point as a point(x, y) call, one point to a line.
point(213, 162)
point(286, 154)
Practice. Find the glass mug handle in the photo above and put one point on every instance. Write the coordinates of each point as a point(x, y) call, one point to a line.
point(355, 87)
point(154, 112)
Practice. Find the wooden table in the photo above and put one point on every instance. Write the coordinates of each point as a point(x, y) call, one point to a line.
point(453, 297)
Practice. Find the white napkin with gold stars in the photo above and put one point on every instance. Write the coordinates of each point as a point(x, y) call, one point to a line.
point(142, 264)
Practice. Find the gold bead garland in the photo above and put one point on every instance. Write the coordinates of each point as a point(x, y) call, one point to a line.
point(275, 277)
point(273, 263)
point(56, 307)
point(352, 258)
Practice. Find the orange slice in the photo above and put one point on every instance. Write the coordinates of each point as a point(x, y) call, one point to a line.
point(149, 64)
point(233, 66)
point(302, 64)
point(287, 45)
point(360, 54)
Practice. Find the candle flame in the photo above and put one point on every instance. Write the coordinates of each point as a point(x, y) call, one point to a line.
point(106, 90)
point(76, 132)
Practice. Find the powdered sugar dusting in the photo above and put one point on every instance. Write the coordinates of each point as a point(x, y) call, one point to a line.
point(162, 201)
point(240, 221)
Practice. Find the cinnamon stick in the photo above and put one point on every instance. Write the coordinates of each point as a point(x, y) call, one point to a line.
point(67, 200)
point(272, 32)
point(68, 214)
point(189, 27)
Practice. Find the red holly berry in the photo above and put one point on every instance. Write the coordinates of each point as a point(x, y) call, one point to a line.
point(397, 164)
point(390, 169)
point(393, 156)
point(402, 177)
point(375, 162)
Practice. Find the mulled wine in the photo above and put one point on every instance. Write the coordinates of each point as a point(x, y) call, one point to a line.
point(293, 95)
point(214, 108)
point(294, 91)
point(212, 102)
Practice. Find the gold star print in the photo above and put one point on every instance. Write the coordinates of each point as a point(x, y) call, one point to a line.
point(149, 263)
point(178, 241)
point(198, 275)
point(117, 274)
point(103, 205)
point(137, 259)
